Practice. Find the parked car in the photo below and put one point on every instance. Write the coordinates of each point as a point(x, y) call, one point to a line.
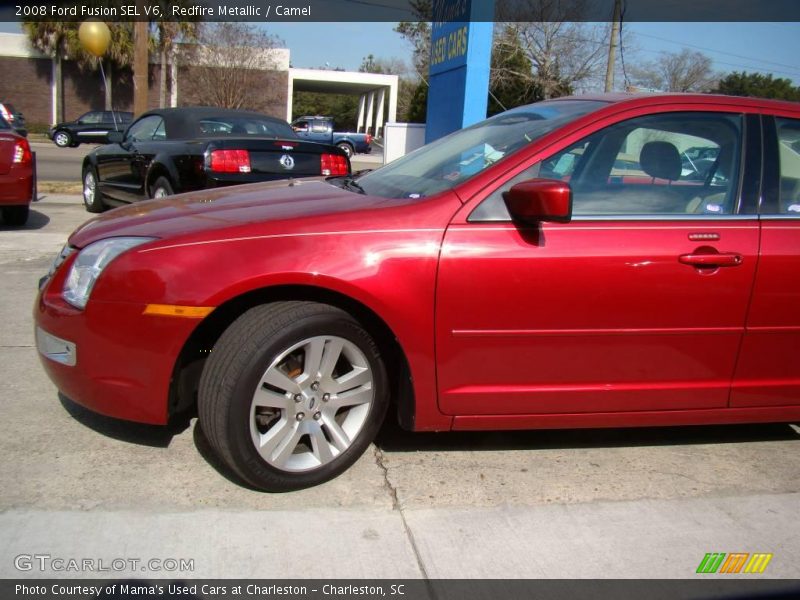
point(320, 129)
point(497, 278)
point(91, 127)
point(175, 150)
point(17, 175)
point(14, 118)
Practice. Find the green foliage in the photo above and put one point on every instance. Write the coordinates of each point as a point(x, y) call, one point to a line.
point(757, 85)
point(418, 107)
point(343, 108)
point(511, 83)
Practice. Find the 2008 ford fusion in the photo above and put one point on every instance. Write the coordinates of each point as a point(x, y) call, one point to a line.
point(572, 263)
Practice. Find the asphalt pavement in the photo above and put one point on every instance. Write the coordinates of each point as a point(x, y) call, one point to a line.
point(634, 503)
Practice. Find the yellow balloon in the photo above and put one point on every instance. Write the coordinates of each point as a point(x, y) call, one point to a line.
point(95, 37)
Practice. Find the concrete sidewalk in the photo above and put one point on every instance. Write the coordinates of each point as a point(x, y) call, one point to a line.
point(641, 539)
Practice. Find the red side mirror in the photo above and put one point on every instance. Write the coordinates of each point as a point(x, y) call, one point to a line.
point(540, 200)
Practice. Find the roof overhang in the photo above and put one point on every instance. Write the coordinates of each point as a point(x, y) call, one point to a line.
point(339, 82)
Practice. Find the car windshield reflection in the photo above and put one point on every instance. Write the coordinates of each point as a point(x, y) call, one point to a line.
point(443, 164)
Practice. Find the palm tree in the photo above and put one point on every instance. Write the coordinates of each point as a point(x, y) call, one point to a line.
point(59, 40)
point(53, 39)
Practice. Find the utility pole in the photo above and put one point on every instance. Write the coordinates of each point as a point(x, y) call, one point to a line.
point(140, 66)
point(612, 47)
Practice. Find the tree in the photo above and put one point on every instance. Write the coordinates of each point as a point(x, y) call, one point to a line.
point(53, 39)
point(757, 85)
point(511, 81)
point(232, 58)
point(418, 34)
point(684, 71)
point(566, 53)
point(59, 40)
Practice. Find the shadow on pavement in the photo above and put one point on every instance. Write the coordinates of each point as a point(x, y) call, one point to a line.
point(392, 438)
point(155, 436)
point(36, 220)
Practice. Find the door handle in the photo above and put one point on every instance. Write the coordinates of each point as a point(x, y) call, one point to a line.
point(727, 259)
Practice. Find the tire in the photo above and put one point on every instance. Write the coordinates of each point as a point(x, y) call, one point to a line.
point(63, 139)
point(161, 188)
point(16, 215)
point(347, 148)
point(256, 390)
point(92, 197)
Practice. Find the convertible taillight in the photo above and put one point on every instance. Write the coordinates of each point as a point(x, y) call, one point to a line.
point(230, 161)
point(22, 152)
point(333, 164)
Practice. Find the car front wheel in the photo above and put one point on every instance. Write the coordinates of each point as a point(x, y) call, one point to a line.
point(292, 394)
point(62, 139)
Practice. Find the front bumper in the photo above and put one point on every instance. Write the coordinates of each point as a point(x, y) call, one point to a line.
point(109, 358)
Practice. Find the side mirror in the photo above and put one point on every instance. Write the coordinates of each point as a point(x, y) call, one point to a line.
point(115, 137)
point(539, 200)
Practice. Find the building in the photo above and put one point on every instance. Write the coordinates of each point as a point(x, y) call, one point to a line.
point(30, 83)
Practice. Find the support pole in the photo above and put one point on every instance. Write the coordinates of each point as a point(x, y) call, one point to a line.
point(612, 47)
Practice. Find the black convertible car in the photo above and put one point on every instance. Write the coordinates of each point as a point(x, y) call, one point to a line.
point(173, 150)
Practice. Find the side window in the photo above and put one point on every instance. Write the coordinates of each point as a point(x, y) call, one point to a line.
point(300, 125)
point(789, 156)
point(666, 164)
point(144, 129)
point(319, 127)
point(160, 132)
point(92, 117)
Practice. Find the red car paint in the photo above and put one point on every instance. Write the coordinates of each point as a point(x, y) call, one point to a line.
point(590, 323)
point(16, 169)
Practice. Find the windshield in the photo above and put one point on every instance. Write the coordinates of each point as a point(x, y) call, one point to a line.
point(455, 158)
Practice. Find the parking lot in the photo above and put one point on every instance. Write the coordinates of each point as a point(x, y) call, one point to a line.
point(558, 504)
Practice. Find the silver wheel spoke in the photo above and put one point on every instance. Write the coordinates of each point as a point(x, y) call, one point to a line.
point(333, 350)
point(361, 395)
point(321, 446)
point(286, 447)
point(314, 350)
point(278, 432)
point(275, 377)
point(340, 439)
point(355, 378)
point(268, 398)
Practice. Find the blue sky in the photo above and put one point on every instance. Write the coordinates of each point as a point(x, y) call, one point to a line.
point(764, 47)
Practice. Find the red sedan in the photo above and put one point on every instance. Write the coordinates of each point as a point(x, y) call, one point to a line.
point(17, 181)
point(563, 264)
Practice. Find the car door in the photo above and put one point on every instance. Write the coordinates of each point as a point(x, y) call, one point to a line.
point(768, 373)
point(121, 168)
point(637, 304)
point(90, 128)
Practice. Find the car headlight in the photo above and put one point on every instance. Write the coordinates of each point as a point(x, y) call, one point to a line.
point(65, 253)
point(90, 263)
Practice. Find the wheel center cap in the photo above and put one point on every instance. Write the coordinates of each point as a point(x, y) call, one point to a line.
point(311, 403)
